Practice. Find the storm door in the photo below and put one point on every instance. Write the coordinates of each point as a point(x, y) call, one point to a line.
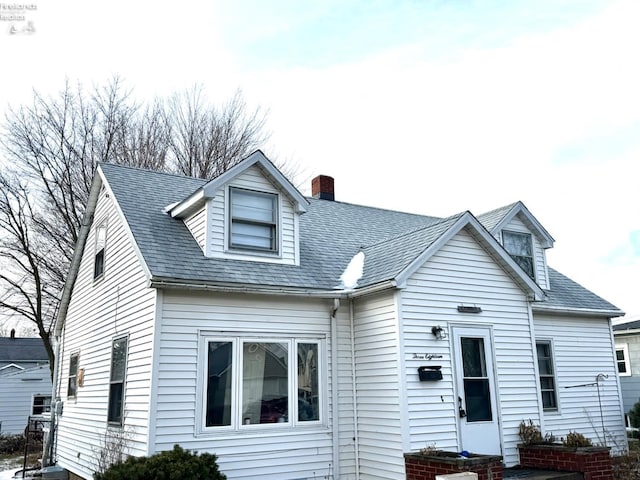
point(476, 390)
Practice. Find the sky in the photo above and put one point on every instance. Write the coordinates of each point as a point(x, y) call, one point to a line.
point(431, 107)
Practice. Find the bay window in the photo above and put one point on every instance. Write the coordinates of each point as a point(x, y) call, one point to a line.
point(257, 381)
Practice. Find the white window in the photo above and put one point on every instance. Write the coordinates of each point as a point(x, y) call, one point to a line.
point(547, 376)
point(41, 404)
point(72, 385)
point(115, 409)
point(520, 247)
point(101, 244)
point(622, 360)
point(256, 381)
point(254, 220)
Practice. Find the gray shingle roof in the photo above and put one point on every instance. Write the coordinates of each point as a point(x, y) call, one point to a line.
point(494, 217)
point(331, 233)
point(22, 349)
point(622, 327)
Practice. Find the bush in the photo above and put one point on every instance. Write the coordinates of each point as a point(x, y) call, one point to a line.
point(530, 433)
point(176, 464)
point(575, 439)
point(11, 444)
point(634, 415)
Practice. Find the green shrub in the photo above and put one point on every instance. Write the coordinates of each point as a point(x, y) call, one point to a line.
point(11, 444)
point(176, 464)
point(634, 415)
point(575, 439)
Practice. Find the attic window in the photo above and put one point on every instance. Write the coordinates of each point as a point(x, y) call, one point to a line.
point(101, 243)
point(253, 220)
point(520, 247)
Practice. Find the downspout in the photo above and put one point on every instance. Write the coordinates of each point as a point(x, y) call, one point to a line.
point(334, 389)
point(47, 458)
point(356, 439)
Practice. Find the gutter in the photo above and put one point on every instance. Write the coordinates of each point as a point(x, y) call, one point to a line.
point(161, 283)
point(584, 312)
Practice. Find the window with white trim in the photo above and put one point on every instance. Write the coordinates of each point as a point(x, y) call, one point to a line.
point(115, 409)
point(101, 244)
point(253, 220)
point(547, 375)
point(72, 384)
point(41, 404)
point(520, 247)
point(622, 360)
point(256, 381)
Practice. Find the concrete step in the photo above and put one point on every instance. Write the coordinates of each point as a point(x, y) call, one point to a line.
point(517, 473)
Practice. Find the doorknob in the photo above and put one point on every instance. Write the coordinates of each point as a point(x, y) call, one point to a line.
point(461, 411)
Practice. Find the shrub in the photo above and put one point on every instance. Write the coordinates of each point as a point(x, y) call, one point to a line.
point(575, 439)
point(176, 464)
point(11, 443)
point(634, 415)
point(530, 433)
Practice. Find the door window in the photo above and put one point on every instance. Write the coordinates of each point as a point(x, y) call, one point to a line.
point(476, 382)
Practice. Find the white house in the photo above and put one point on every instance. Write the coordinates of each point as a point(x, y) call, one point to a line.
point(627, 337)
point(213, 314)
point(25, 382)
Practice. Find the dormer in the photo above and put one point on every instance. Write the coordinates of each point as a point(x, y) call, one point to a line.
point(523, 237)
point(250, 212)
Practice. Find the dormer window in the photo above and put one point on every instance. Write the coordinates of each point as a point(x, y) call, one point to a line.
point(254, 220)
point(520, 247)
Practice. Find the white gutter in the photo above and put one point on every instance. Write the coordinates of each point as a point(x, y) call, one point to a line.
point(586, 312)
point(265, 290)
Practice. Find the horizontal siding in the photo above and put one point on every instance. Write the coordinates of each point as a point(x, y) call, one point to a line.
point(197, 224)
point(582, 349)
point(252, 179)
point(279, 453)
point(377, 384)
point(16, 397)
point(118, 304)
point(630, 384)
point(461, 272)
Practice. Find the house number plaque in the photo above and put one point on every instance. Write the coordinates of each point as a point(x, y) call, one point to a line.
point(425, 356)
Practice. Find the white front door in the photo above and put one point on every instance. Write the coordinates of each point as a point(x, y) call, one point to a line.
point(475, 381)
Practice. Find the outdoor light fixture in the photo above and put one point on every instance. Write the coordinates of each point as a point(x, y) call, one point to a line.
point(439, 332)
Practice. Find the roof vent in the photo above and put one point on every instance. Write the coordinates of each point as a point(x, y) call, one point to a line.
point(13, 333)
point(322, 187)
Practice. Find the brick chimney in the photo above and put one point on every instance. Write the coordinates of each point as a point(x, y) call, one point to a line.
point(322, 187)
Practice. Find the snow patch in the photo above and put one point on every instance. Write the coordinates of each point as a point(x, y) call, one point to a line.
point(353, 272)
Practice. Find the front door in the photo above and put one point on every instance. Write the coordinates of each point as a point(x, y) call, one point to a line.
point(477, 405)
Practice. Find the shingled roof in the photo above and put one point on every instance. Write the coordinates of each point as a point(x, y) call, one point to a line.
point(22, 349)
point(331, 233)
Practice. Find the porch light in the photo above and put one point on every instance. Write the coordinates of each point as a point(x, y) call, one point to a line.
point(439, 332)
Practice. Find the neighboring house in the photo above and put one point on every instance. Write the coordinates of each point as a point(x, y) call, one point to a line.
point(222, 315)
point(25, 382)
point(627, 338)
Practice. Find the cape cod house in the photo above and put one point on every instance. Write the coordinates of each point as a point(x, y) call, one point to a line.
point(305, 338)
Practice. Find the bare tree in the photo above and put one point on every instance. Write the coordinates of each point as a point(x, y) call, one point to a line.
point(205, 141)
point(52, 148)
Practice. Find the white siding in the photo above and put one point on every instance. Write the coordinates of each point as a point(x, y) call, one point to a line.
point(462, 273)
point(16, 397)
point(252, 179)
point(117, 304)
point(378, 387)
point(197, 225)
point(278, 453)
point(540, 256)
point(582, 349)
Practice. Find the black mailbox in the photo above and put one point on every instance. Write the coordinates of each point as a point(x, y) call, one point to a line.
point(429, 374)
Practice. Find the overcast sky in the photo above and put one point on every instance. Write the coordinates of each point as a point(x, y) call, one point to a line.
point(431, 107)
